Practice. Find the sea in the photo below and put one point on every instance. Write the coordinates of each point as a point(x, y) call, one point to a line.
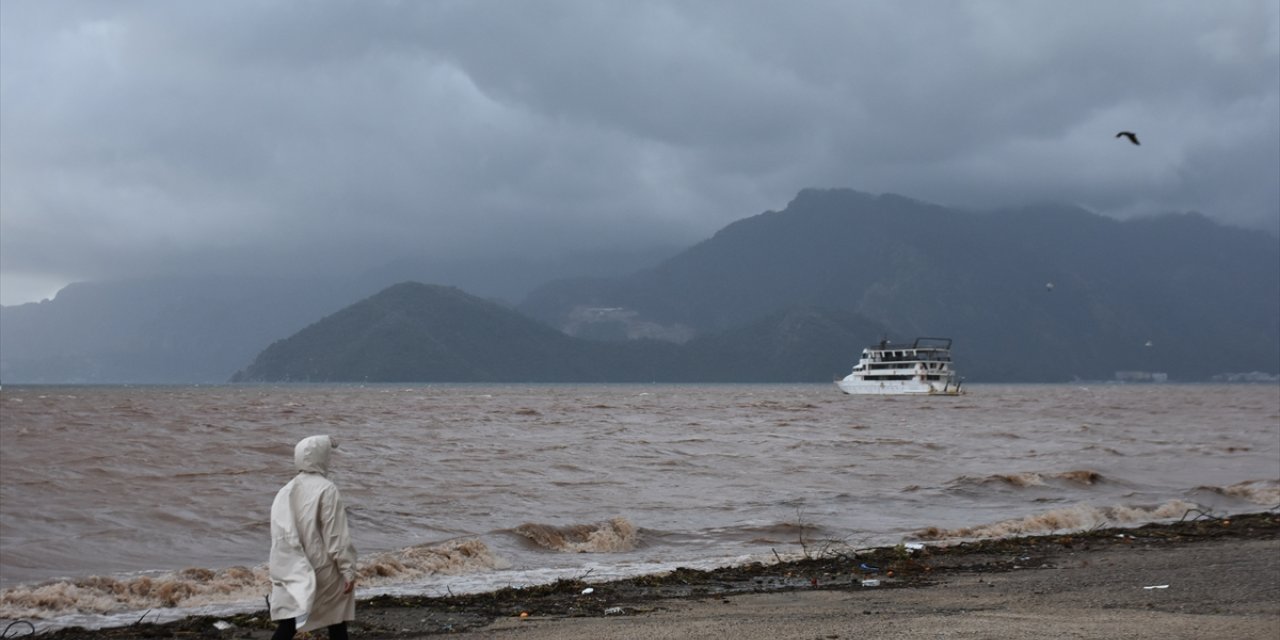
point(128, 503)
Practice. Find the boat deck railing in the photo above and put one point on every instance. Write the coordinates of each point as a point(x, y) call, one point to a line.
point(918, 343)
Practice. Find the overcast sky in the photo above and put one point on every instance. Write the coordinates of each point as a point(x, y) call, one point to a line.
point(303, 137)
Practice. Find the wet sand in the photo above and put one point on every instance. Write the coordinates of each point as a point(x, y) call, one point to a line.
point(1215, 590)
point(1207, 578)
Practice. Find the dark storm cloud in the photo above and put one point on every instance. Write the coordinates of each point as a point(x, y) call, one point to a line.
point(289, 137)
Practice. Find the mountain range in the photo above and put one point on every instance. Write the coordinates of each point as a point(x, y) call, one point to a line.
point(1040, 294)
point(413, 332)
point(1047, 293)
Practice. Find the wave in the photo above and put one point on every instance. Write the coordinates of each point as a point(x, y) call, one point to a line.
point(103, 594)
point(1077, 518)
point(1263, 492)
point(611, 536)
point(1024, 479)
point(217, 474)
point(454, 557)
point(199, 587)
point(799, 533)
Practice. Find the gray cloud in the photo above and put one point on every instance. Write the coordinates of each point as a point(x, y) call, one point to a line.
point(287, 137)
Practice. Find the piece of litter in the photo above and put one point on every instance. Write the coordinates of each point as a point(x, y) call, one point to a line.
point(587, 590)
point(914, 546)
point(223, 625)
point(871, 583)
point(1157, 586)
point(613, 611)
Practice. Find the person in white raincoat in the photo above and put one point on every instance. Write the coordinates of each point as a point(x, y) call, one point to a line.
point(312, 561)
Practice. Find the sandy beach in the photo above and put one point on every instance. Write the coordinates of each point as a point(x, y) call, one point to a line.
point(1215, 590)
point(1208, 578)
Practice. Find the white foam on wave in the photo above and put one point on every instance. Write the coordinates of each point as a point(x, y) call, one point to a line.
point(107, 594)
point(1076, 518)
point(1262, 492)
point(454, 557)
point(611, 536)
point(195, 588)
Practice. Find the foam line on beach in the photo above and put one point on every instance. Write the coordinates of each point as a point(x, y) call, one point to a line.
point(199, 587)
point(1076, 518)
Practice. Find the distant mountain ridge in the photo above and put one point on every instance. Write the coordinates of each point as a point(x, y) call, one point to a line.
point(158, 330)
point(414, 332)
point(1046, 293)
point(202, 329)
point(1039, 294)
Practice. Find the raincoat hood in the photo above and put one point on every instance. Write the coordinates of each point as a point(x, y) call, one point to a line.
point(311, 455)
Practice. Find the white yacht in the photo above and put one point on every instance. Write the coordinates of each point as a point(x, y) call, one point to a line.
point(924, 366)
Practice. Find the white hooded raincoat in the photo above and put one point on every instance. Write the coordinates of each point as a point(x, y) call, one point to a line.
point(312, 557)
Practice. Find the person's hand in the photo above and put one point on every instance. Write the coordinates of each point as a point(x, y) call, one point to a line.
point(348, 585)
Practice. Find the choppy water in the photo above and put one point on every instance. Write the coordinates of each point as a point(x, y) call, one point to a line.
point(119, 500)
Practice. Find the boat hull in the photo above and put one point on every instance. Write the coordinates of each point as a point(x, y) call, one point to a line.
point(855, 387)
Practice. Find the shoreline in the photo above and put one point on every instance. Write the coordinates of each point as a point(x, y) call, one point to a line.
point(1159, 580)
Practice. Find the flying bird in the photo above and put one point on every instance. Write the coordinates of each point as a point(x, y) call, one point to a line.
point(1133, 137)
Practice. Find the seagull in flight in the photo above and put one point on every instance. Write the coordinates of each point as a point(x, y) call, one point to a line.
point(1133, 137)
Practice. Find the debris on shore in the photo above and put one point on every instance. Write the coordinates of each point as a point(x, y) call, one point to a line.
point(903, 566)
